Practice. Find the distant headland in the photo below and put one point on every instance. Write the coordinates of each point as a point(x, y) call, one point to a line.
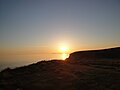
point(109, 53)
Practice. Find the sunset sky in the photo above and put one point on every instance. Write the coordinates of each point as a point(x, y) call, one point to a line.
point(43, 26)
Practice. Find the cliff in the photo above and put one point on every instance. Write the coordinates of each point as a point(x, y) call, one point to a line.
point(111, 53)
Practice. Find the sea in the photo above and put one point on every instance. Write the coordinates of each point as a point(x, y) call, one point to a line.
point(13, 61)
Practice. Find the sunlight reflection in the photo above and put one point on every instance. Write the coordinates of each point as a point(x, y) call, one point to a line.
point(64, 56)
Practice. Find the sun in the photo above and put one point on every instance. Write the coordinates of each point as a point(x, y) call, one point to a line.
point(64, 49)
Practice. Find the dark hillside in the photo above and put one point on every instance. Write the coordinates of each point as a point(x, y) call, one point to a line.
point(112, 53)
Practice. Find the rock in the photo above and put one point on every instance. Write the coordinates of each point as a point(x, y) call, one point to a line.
point(111, 53)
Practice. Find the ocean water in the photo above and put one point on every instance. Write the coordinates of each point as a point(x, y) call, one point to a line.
point(13, 61)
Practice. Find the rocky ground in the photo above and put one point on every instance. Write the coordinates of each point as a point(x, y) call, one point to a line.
point(63, 75)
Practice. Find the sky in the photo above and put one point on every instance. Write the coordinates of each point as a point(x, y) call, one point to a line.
point(42, 26)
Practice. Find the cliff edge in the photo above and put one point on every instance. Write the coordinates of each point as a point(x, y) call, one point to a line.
point(111, 53)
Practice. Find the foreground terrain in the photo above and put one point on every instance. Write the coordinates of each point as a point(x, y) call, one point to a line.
point(85, 74)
